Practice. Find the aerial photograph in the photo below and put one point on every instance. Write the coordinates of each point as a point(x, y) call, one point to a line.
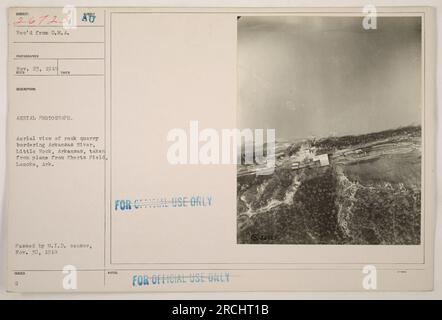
point(346, 105)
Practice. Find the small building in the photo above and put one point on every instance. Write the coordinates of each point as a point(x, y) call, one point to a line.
point(323, 159)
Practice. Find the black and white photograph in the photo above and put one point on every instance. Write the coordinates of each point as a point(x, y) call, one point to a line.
point(243, 151)
point(345, 102)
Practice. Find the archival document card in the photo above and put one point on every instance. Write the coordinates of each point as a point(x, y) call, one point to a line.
point(220, 149)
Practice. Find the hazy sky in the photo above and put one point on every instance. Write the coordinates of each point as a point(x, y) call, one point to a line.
point(327, 75)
